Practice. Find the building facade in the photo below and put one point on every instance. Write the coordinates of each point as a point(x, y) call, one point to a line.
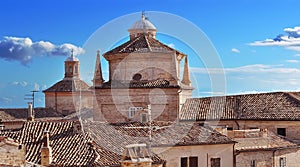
point(70, 94)
point(142, 71)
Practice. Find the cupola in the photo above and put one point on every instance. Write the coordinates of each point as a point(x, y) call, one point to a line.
point(142, 26)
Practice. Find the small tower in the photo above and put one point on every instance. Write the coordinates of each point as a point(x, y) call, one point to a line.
point(46, 151)
point(72, 67)
point(98, 79)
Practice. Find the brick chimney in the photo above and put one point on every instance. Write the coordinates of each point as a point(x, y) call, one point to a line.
point(30, 115)
point(46, 151)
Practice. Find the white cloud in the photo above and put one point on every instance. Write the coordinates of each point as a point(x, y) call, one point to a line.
point(252, 78)
point(292, 61)
point(235, 50)
point(24, 49)
point(22, 83)
point(290, 41)
point(5, 100)
point(171, 45)
point(36, 87)
point(254, 68)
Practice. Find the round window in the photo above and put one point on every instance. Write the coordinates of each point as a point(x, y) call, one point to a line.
point(137, 77)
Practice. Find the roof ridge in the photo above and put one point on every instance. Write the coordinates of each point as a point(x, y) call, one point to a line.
point(130, 42)
point(147, 41)
point(292, 96)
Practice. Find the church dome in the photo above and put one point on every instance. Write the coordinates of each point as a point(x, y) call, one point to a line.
point(142, 26)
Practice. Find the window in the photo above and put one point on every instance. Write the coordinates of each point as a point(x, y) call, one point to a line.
point(183, 162)
point(189, 162)
point(137, 77)
point(76, 69)
point(229, 128)
point(215, 162)
point(132, 111)
point(253, 128)
point(252, 163)
point(70, 69)
point(144, 118)
point(281, 131)
point(193, 161)
point(282, 162)
point(65, 112)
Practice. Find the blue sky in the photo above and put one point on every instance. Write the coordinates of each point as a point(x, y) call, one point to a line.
point(257, 41)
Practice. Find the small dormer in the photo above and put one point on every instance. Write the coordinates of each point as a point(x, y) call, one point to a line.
point(72, 67)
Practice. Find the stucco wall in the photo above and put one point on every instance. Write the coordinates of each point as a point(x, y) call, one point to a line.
point(68, 102)
point(204, 152)
point(12, 155)
point(292, 127)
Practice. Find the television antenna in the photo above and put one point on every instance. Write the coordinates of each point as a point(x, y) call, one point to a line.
point(31, 96)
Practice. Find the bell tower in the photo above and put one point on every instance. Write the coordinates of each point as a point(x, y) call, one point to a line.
point(72, 67)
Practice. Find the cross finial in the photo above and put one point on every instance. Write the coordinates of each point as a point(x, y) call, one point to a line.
point(72, 53)
point(143, 14)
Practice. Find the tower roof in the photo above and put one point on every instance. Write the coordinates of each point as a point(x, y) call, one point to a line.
point(141, 43)
point(69, 86)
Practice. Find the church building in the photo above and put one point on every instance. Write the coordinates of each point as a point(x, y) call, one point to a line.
point(142, 72)
point(71, 93)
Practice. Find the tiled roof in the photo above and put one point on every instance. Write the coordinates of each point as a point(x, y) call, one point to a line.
point(142, 43)
point(138, 84)
point(69, 85)
point(268, 142)
point(68, 147)
point(263, 106)
point(21, 113)
point(163, 134)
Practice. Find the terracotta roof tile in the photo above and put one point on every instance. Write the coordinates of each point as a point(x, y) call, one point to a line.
point(68, 147)
point(7, 114)
point(264, 106)
point(163, 134)
point(270, 141)
point(142, 43)
point(138, 84)
point(69, 85)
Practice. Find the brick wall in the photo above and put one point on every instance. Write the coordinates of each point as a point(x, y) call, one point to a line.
point(114, 104)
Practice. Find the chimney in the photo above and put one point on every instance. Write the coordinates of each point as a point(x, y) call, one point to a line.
point(46, 151)
point(30, 115)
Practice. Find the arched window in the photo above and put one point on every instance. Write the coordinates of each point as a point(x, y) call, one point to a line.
point(70, 69)
point(76, 69)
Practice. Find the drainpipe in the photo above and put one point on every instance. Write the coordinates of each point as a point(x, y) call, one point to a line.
point(233, 153)
point(207, 159)
point(238, 125)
